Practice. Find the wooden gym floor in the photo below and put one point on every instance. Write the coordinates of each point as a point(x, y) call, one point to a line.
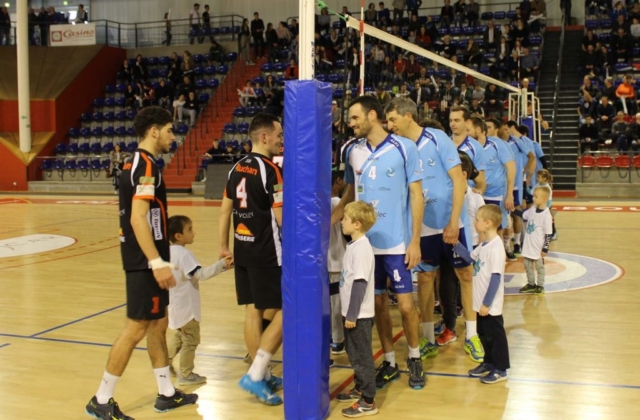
point(573, 354)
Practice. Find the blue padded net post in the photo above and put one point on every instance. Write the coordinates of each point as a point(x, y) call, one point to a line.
point(305, 229)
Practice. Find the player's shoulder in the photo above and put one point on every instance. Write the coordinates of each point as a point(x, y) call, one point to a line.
point(402, 141)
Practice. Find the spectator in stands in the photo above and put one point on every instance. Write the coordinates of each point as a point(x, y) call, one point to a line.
point(44, 27)
point(403, 92)
point(384, 15)
point(588, 89)
point(206, 21)
point(478, 93)
point(589, 39)
point(247, 94)
point(413, 6)
point(472, 54)
point(635, 11)
point(167, 30)
point(513, 64)
point(620, 46)
point(163, 94)
point(589, 136)
point(140, 71)
point(491, 36)
point(284, 36)
point(177, 107)
point(399, 71)
point(493, 101)
point(214, 153)
point(525, 9)
point(81, 15)
point(423, 39)
point(246, 148)
point(383, 96)
point(272, 42)
point(175, 73)
point(465, 94)
point(620, 23)
point(187, 70)
point(540, 6)
point(626, 96)
point(185, 87)
point(476, 108)
point(387, 70)
point(323, 21)
point(191, 107)
point(634, 134)
point(605, 114)
point(586, 107)
point(529, 64)
point(131, 98)
point(244, 41)
point(398, 9)
point(591, 7)
point(634, 32)
point(270, 88)
point(605, 57)
point(414, 24)
point(33, 18)
point(187, 58)
point(472, 13)
point(417, 94)
point(565, 7)
point(459, 8)
point(448, 50)
point(413, 68)
point(216, 52)
point(619, 132)
point(591, 64)
point(446, 14)
point(291, 73)
point(370, 15)
point(336, 118)
point(521, 33)
point(126, 72)
point(148, 95)
point(194, 21)
point(116, 156)
point(257, 32)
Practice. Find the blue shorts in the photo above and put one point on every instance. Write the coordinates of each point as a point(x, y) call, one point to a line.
point(434, 249)
point(392, 267)
point(505, 213)
point(517, 198)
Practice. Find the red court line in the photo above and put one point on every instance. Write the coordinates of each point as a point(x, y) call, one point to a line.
point(348, 381)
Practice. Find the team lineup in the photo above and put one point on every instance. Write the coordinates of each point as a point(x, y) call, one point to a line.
point(414, 203)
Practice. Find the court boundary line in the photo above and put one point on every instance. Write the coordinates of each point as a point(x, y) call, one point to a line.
point(4, 345)
point(78, 320)
point(350, 379)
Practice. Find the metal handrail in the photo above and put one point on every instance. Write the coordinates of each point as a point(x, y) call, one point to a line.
point(556, 96)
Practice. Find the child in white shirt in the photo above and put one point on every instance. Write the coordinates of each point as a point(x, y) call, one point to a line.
point(544, 180)
point(538, 228)
point(489, 260)
point(184, 298)
point(357, 296)
point(337, 246)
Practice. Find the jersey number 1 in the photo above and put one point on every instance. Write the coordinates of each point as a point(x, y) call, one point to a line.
point(241, 193)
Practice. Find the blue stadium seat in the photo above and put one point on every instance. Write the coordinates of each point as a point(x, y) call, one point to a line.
point(46, 165)
point(223, 69)
point(462, 43)
point(243, 128)
point(229, 128)
point(335, 78)
point(469, 30)
point(203, 98)
point(252, 110)
point(96, 148)
point(266, 67)
point(153, 61)
point(164, 60)
point(511, 14)
point(486, 16)
point(499, 15)
point(110, 89)
point(338, 93)
point(239, 112)
point(484, 70)
point(131, 114)
point(154, 73)
point(159, 162)
point(131, 132)
point(164, 73)
point(259, 79)
point(232, 56)
point(98, 103)
point(84, 148)
point(109, 116)
point(96, 164)
point(131, 147)
point(58, 164)
point(280, 67)
point(121, 131)
point(74, 132)
point(96, 132)
point(120, 88)
point(60, 149)
point(198, 71)
point(85, 117)
point(210, 71)
point(480, 29)
point(107, 147)
point(455, 31)
point(321, 77)
point(109, 131)
point(106, 164)
point(121, 101)
point(435, 18)
point(213, 83)
point(225, 30)
point(173, 147)
point(201, 84)
point(605, 23)
point(340, 64)
point(85, 132)
point(83, 164)
point(215, 31)
point(97, 116)
point(443, 31)
point(591, 23)
point(73, 148)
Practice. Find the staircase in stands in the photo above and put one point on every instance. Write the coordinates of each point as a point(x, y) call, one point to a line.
point(218, 112)
point(566, 149)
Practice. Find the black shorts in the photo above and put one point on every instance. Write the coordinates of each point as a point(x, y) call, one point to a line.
point(145, 299)
point(259, 286)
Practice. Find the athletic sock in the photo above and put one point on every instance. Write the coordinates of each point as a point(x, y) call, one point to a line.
point(427, 332)
point(165, 387)
point(391, 358)
point(259, 365)
point(516, 238)
point(267, 373)
point(471, 327)
point(265, 324)
point(414, 352)
point(507, 244)
point(107, 387)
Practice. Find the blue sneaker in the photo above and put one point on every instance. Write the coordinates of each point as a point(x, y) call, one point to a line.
point(260, 389)
point(494, 377)
point(438, 328)
point(274, 383)
point(481, 370)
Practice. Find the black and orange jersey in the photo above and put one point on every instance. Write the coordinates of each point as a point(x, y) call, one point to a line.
point(141, 180)
point(255, 186)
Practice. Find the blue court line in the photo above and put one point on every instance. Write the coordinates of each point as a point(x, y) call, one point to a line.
point(5, 345)
point(449, 375)
point(78, 320)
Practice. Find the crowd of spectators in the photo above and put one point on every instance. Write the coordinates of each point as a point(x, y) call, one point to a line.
point(39, 23)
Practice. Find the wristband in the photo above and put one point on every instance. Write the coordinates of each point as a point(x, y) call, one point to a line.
point(159, 263)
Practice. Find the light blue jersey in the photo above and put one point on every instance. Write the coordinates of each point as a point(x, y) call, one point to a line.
point(531, 146)
point(497, 154)
point(471, 147)
point(537, 150)
point(438, 155)
point(520, 153)
point(381, 177)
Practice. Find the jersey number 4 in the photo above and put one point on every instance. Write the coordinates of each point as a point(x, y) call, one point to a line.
point(372, 173)
point(241, 193)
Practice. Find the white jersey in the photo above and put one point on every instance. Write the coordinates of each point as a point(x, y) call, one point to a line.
point(184, 298)
point(337, 243)
point(538, 225)
point(358, 263)
point(489, 258)
point(474, 201)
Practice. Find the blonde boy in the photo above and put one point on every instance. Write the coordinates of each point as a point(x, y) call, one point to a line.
point(357, 294)
point(539, 229)
point(184, 299)
point(488, 294)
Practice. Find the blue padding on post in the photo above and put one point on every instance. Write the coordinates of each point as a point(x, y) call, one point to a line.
point(305, 237)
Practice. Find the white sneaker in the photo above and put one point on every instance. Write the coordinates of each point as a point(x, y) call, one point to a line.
point(203, 180)
point(192, 379)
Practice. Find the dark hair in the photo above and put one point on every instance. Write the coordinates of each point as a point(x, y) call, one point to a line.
point(196, 4)
point(496, 123)
point(430, 123)
point(151, 116)
point(524, 130)
point(368, 104)
point(466, 114)
point(512, 124)
point(466, 164)
point(263, 121)
point(336, 175)
point(478, 122)
point(176, 225)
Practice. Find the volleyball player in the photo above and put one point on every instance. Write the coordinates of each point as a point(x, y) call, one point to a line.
point(443, 188)
point(384, 171)
point(254, 196)
point(500, 171)
point(145, 258)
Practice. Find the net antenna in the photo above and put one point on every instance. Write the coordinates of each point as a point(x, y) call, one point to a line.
point(374, 32)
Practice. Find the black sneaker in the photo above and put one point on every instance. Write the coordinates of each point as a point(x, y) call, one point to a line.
point(337, 348)
point(511, 256)
point(516, 249)
point(539, 290)
point(417, 377)
point(164, 404)
point(385, 374)
point(108, 411)
point(528, 288)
